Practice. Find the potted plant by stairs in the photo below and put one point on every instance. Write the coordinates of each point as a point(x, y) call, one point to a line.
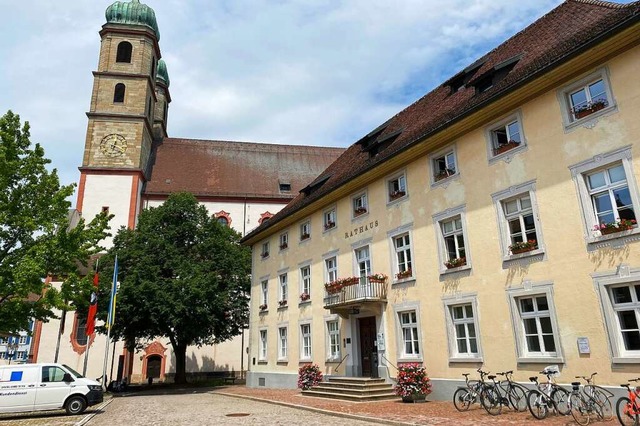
point(413, 384)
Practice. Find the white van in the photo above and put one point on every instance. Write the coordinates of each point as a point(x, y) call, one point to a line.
point(36, 387)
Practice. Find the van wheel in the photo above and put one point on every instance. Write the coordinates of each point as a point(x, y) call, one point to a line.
point(75, 405)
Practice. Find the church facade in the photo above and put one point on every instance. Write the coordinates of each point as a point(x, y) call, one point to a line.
point(490, 224)
point(130, 163)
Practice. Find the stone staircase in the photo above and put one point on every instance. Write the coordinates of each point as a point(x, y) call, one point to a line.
point(358, 389)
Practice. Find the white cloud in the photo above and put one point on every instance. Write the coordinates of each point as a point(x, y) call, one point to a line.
point(290, 71)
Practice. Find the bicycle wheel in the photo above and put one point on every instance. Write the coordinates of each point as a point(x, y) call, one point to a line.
point(462, 399)
point(490, 399)
point(579, 409)
point(518, 398)
point(624, 411)
point(560, 397)
point(603, 399)
point(538, 404)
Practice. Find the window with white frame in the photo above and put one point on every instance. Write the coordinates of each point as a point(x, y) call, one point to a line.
point(444, 165)
point(305, 283)
point(305, 230)
point(283, 290)
point(305, 341)
point(331, 268)
point(397, 187)
point(506, 135)
point(625, 301)
point(453, 238)
point(402, 246)
point(262, 356)
point(410, 336)
point(265, 250)
point(282, 343)
point(537, 327)
point(518, 214)
point(264, 294)
point(22, 340)
point(586, 97)
point(608, 193)
point(363, 263)
point(360, 205)
point(464, 327)
point(329, 218)
point(333, 340)
point(284, 240)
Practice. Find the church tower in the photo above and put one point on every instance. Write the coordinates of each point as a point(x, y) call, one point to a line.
point(129, 105)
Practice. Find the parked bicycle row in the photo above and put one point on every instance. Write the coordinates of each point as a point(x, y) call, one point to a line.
point(584, 401)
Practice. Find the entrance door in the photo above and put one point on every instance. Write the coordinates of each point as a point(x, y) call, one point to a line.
point(153, 366)
point(367, 328)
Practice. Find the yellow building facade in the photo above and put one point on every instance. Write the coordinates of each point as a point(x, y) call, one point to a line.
point(505, 225)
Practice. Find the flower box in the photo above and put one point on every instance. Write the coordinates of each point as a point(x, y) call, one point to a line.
point(284, 246)
point(377, 278)
point(523, 246)
point(282, 303)
point(359, 211)
point(263, 307)
point(404, 274)
point(456, 263)
point(336, 286)
point(413, 384)
point(522, 250)
point(329, 225)
point(613, 227)
point(443, 174)
point(265, 254)
point(397, 194)
point(589, 109)
point(304, 237)
point(304, 297)
point(505, 147)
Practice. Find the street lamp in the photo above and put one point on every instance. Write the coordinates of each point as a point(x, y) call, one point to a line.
point(12, 346)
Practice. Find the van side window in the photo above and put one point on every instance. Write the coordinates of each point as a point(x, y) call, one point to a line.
point(52, 374)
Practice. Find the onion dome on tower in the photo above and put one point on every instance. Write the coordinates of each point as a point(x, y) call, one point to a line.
point(162, 75)
point(132, 13)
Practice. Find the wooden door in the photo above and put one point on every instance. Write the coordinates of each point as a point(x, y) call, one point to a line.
point(367, 328)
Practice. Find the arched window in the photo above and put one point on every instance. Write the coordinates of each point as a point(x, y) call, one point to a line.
point(264, 217)
point(223, 221)
point(124, 52)
point(118, 93)
point(223, 218)
point(154, 68)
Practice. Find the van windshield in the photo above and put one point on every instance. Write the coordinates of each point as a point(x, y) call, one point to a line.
point(74, 372)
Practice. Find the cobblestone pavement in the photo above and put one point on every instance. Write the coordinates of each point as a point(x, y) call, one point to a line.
point(206, 409)
point(45, 418)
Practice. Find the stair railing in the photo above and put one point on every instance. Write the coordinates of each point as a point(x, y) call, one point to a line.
point(340, 363)
point(386, 364)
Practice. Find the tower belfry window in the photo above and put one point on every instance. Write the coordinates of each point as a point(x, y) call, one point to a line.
point(118, 93)
point(124, 52)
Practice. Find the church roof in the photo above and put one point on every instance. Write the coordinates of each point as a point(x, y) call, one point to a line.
point(566, 31)
point(209, 168)
point(132, 13)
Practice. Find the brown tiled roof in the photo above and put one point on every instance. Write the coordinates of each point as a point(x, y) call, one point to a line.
point(556, 37)
point(234, 169)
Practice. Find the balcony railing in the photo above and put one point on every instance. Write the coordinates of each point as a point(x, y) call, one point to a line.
point(364, 291)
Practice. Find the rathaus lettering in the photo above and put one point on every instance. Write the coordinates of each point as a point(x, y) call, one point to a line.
point(361, 229)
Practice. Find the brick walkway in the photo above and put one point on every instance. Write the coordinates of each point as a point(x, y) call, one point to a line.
point(395, 411)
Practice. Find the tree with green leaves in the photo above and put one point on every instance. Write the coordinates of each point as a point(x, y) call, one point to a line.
point(183, 276)
point(38, 237)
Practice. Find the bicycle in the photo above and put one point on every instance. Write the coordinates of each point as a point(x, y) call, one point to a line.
point(501, 394)
point(628, 408)
point(600, 396)
point(547, 395)
point(464, 397)
point(583, 406)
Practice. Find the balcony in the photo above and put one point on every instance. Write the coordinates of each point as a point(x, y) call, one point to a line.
point(351, 292)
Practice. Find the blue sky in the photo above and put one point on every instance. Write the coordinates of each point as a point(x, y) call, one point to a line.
point(318, 72)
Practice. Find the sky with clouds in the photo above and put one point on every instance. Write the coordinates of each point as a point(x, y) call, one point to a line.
point(317, 72)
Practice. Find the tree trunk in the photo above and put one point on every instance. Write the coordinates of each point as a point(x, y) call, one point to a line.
point(180, 351)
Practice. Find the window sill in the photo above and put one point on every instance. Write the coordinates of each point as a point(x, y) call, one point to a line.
point(282, 361)
point(397, 200)
point(283, 308)
point(360, 216)
point(507, 154)
point(625, 360)
point(531, 253)
point(454, 270)
point(304, 303)
point(304, 241)
point(304, 360)
point(333, 360)
point(327, 230)
point(540, 360)
point(407, 360)
point(284, 249)
point(616, 239)
point(444, 181)
point(582, 121)
point(468, 360)
point(408, 280)
point(263, 362)
point(266, 311)
point(263, 258)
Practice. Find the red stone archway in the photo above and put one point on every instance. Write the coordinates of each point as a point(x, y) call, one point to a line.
point(265, 216)
point(154, 349)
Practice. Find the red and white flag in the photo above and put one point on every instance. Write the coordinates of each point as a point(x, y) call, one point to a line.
point(93, 307)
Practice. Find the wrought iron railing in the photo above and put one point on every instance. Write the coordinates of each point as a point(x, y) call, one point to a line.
point(365, 291)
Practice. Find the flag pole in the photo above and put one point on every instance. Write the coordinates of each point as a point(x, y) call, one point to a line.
point(86, 349)
point(109, 324)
